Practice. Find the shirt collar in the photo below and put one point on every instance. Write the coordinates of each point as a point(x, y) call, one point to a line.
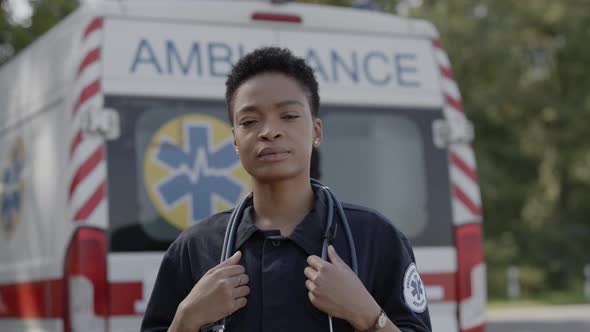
point(308, 234)
point(246, 228)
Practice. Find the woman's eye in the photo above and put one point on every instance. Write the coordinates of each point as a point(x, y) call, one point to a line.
point(291, 117)
point(247, 123)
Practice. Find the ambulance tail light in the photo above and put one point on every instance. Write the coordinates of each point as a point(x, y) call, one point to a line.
point(471, 281)
point(85, 282)
point(275, 17)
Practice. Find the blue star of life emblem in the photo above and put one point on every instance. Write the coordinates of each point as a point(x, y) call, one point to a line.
point(10, 199)
point(417, 290)
point(198, 171)
point(413, 290)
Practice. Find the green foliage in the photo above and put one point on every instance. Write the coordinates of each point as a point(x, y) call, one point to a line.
point(16, 36)
point(521, 66)
point(532, 279)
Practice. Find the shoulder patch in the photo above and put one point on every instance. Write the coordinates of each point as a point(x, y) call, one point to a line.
point(414, 291)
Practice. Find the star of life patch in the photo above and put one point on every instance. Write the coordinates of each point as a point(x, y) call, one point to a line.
point(414, 291)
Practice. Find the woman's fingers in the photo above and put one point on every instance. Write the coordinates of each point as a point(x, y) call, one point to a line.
point(310, 286)
point(239, 280)
point(316, 262)
point(233, 260)
point(239, 303)
point(230, 271)
point(241, 291)
point(310, 273)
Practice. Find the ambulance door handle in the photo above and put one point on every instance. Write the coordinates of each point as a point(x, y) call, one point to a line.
point(101, 122)
point(458, 131)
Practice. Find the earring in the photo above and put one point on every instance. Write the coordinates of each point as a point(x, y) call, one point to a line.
point(236, 148)
point(316, 143)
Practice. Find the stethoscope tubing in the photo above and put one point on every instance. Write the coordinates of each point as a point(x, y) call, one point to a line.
point(329, 233)
point(330, 198)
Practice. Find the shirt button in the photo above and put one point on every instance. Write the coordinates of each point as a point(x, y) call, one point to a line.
point(276, 243)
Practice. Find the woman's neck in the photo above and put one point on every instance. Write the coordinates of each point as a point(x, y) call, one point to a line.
point(282, 205)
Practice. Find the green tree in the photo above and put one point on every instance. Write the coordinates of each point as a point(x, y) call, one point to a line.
point(521, 66)
point(15, 36)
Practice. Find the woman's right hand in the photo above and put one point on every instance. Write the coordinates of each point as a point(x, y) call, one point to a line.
point(219, 293)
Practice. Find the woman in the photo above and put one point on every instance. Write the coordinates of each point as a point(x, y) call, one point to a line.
point(276, 281)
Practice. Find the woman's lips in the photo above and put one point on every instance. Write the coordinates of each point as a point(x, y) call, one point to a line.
point(274, 156)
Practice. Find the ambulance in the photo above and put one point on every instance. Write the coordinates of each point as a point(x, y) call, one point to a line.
point(114, 138)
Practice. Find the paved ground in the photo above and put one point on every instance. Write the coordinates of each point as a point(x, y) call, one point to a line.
point(558, 326)
point(571, 318)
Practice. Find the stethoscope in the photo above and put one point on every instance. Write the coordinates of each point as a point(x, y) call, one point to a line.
point(329, 234)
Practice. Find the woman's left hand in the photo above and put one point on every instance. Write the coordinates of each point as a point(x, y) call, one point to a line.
point(336, 290)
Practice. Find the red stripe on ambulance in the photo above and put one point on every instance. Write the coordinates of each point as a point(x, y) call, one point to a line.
point(124, 295)
point(91, 204)
point(92, 57)
point(85, 262)
point(95, 25)
point(87, 167)
point(88, 92)
point(76, 142)
point(87, 151)
point(459, 185)
point(462, 165)
point(44, 299)
point(454, 103)
point(447, 72)
point(32, 300)
point(479, 328)
point(443, 283)
point(461, 196)
point(470, 276)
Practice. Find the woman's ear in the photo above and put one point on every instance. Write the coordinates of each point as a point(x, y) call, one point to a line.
point(234, 135)
point(317, 132)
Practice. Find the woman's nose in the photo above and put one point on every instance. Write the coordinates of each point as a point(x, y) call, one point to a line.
point(270, 131)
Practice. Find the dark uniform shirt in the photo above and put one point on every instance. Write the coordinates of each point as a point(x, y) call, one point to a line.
point(278, 300)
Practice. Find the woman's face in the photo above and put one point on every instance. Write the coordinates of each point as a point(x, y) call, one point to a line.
point(274, 130)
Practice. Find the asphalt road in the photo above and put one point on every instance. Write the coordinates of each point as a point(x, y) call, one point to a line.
point(523, 326)
point(574, 318)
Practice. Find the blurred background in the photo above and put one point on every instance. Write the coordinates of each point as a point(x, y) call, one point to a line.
point(522, 69)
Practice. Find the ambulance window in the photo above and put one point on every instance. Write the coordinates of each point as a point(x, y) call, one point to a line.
point(159, 170)
point(385, 160)
point(156, 187)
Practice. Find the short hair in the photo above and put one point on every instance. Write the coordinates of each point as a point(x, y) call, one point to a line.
point(272, 60)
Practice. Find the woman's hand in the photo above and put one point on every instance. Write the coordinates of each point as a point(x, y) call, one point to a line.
point(219, 293)
point(336, 290)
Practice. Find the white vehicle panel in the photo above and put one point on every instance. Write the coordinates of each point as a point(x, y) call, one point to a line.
point(369, 70)
point(145, 58)
point(168, 59)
